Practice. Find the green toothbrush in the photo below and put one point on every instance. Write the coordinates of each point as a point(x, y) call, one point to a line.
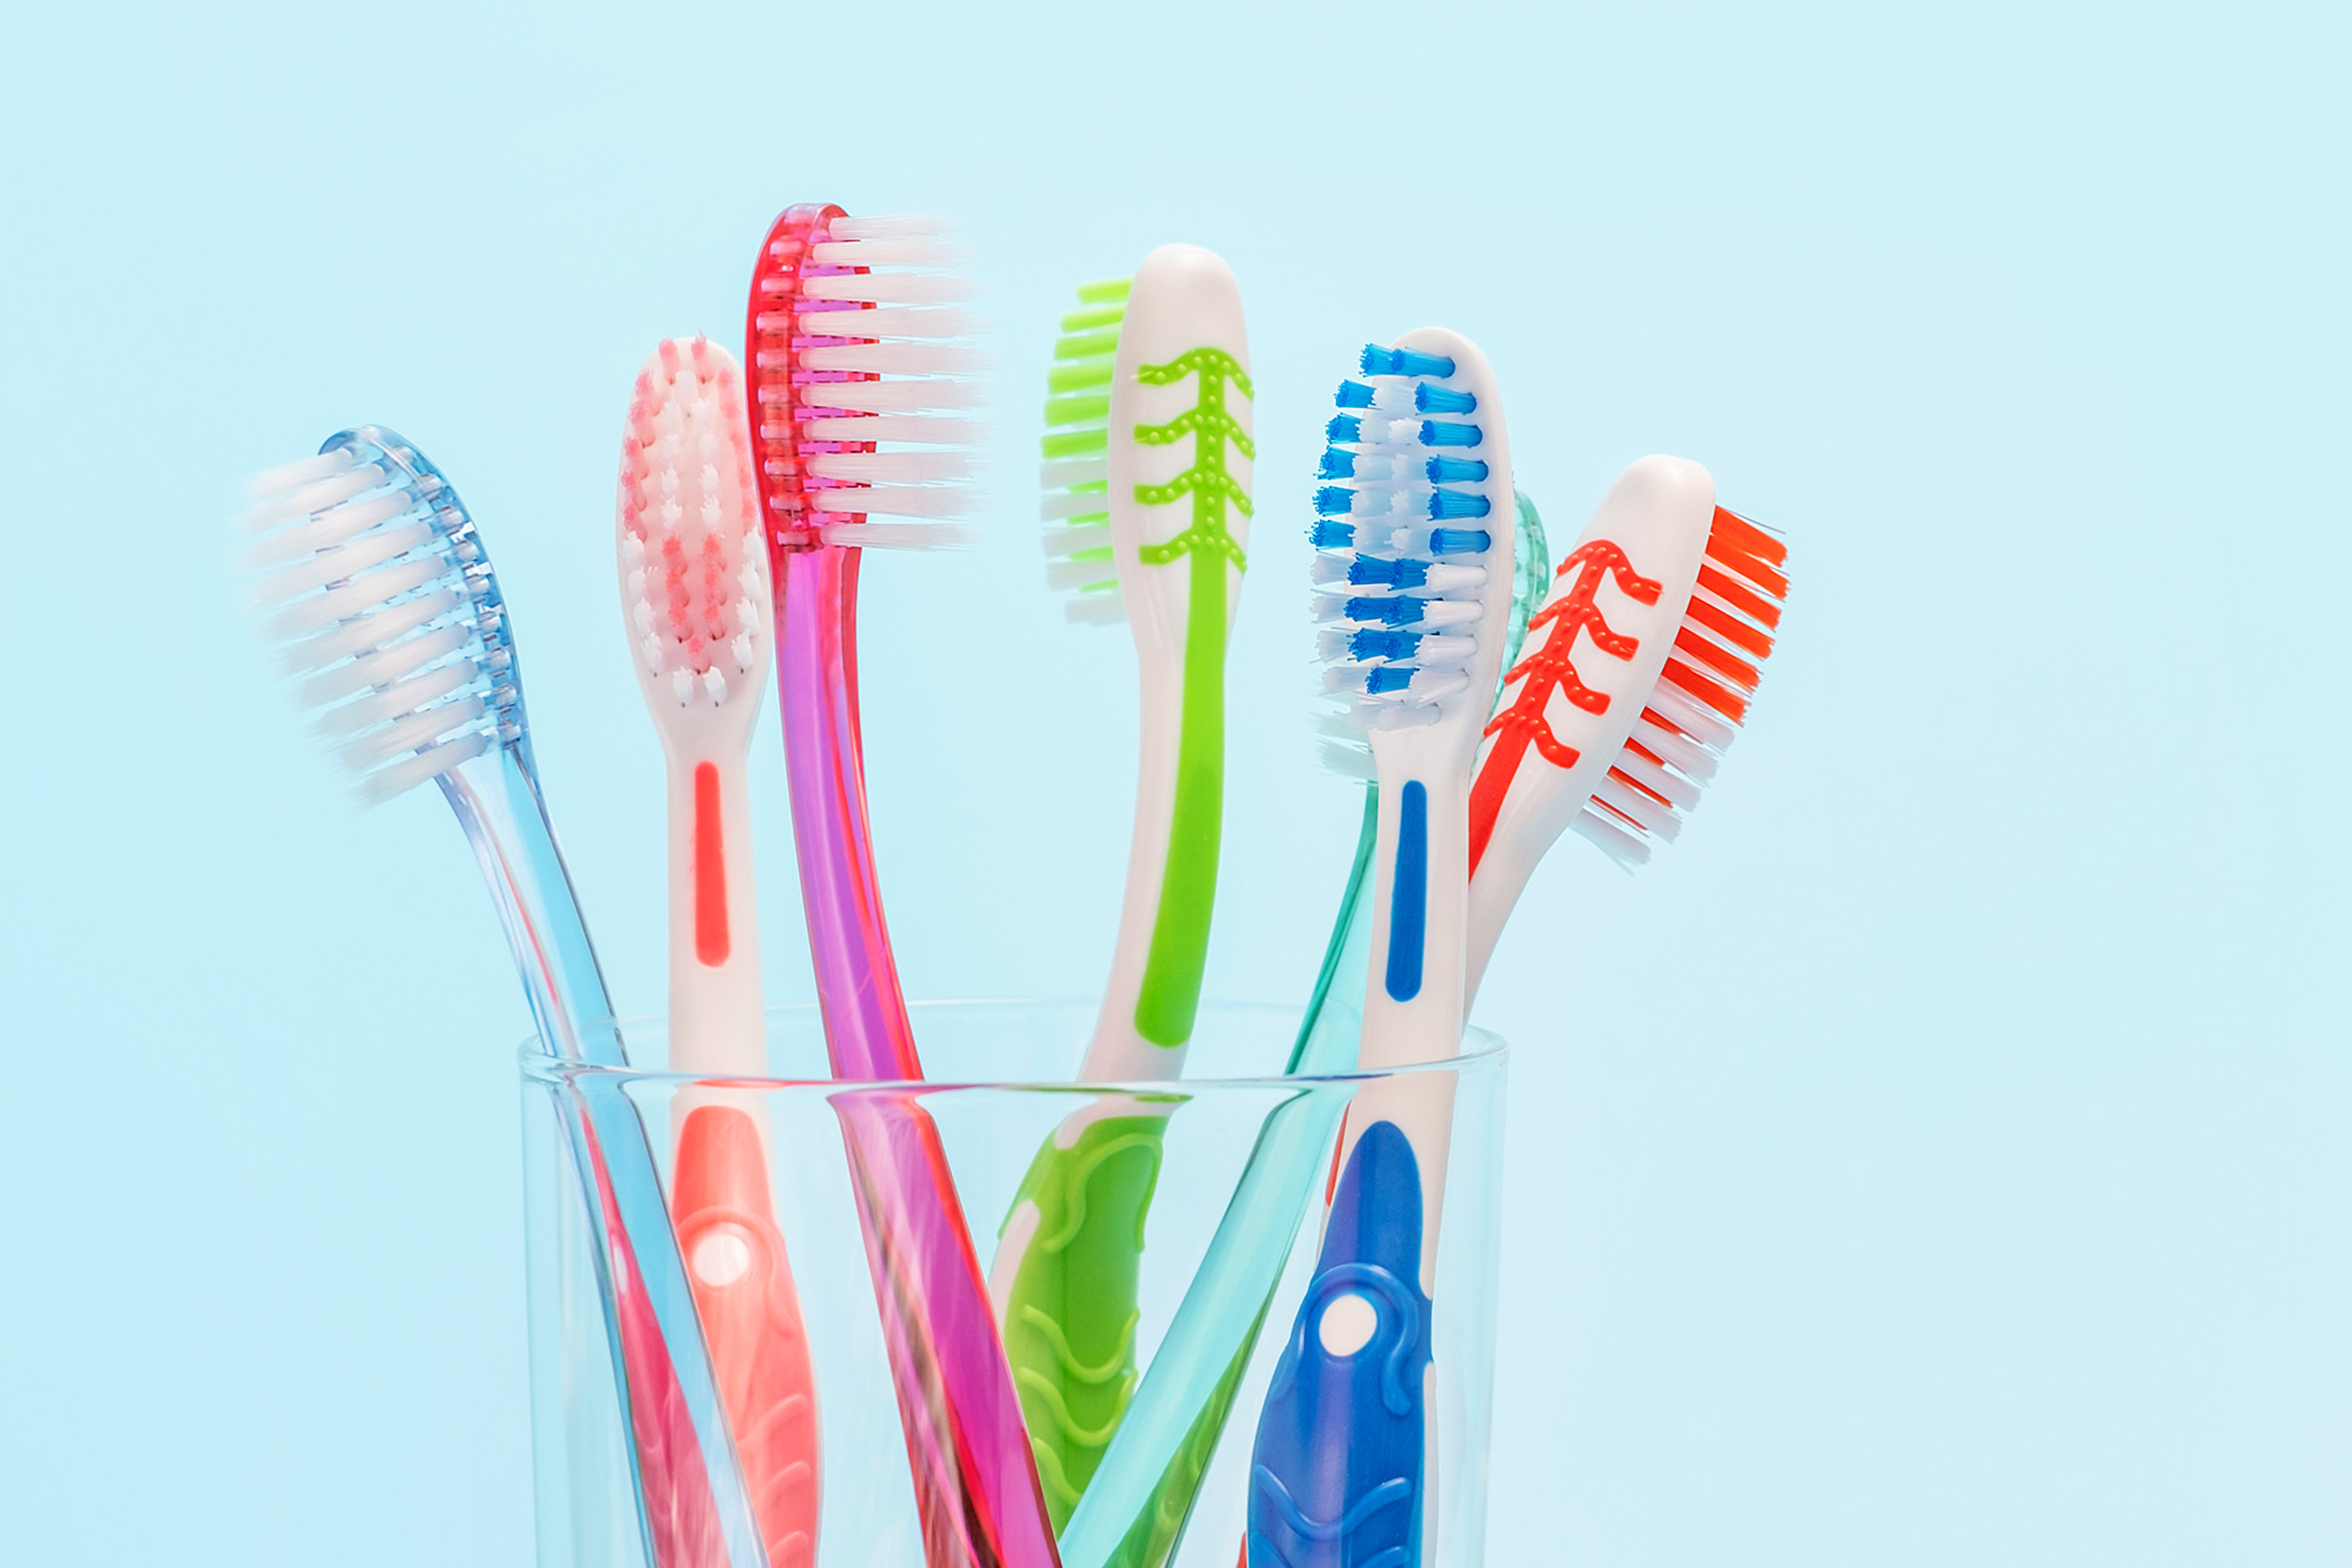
point(1147, 474)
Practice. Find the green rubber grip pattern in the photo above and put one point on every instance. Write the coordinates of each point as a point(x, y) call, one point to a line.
point(1070, 1323)
point(1169, 995)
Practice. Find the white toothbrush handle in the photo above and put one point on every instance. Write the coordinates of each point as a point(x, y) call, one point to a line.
point(716, 1007)
point(1119, 1051)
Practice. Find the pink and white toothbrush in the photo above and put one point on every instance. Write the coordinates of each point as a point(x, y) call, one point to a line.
point(695, 603)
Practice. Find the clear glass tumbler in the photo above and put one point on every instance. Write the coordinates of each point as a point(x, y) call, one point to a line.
point(1234, 1178)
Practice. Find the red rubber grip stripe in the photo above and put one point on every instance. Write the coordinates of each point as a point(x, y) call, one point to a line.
point(711, 870)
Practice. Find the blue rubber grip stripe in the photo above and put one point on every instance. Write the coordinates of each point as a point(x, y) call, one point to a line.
point(1408, 895)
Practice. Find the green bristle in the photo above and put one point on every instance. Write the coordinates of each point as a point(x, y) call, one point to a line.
point(1077, 412)
point(1086, 345)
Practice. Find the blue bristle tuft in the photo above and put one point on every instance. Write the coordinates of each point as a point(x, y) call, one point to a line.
point(1388, 677)
point(1334, 501)
point(1445, 505)
point(1456, 470)
point(1378, 642)
point(1339, 464)
point(1371, 571)
point(1460, 541)
point(1329, 534)
point(1445, 433)
point(1403, 361)
point(1384, 612)
point(1354, 394)
point(1343, 428)
point(1439, 400)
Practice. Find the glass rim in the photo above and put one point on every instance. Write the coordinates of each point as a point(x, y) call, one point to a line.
point(1482, 1050)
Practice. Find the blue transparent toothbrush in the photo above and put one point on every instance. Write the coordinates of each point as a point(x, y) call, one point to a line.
point(376, 576)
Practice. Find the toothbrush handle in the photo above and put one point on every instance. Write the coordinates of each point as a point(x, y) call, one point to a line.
point(690, 1493)
point(975, 1480)
point(743, 1291)
point(866, 1028)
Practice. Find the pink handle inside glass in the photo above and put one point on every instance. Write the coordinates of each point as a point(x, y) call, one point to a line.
point(975, 1480)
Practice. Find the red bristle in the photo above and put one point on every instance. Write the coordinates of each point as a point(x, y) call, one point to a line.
point(1748, 537)
point(1732, 629)
point(1716, 657)
point(1740, 596)
point(1751, 567)
point(1641, 751)
point(1707, 691)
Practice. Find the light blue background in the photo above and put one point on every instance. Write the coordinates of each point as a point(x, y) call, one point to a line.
point(1939, 1157)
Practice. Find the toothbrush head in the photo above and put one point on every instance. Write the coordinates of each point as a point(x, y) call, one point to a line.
point(1076, 473)
point(860, 364)
point(694, 574)
point(1414, 543)
point(374, 581)
point(1640, 669)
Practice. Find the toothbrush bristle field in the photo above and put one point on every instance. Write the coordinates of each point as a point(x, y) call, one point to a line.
point(1692, 713)
point(375, 582)
point(1075, 475)
point(861, 357)
point(694, 568)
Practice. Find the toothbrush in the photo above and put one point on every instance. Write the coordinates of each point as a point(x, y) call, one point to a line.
point(854, 341)
point(1148, 459)
point(700, 623)
point(1327, 1033)
point(376, 579)
point(1415, 520)
point(1646, 656)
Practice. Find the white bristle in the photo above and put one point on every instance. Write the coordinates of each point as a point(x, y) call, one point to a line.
point(1088, 470)
point(893, 397)
point(1348, 759)
point(1681, 794)
point(898, 536)
point(923, 321)
point(889, 288)
point(901, 501)
point(406, 733)
point(1681, 752)
point(374, 587)
point(1094, 609)
point(383, 705)
point(892, 467)
point(1059, 541)
point(1052, 507)
point(294, 476)
point(1597, 829)
point(385, 665)
point(315, 494)
point(308, 614)
point(897, 358)
point(1657, 821)
point(1693, 720)
point(886, 253)
point(888, 225)
point(1065, 575)
point(935, 430)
